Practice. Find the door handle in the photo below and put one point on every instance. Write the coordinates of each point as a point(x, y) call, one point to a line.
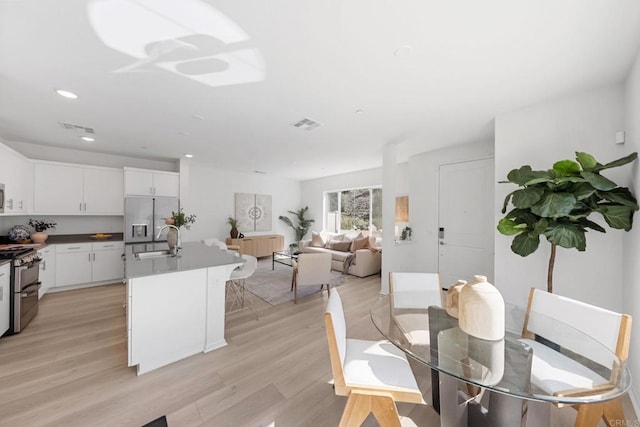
point(442, 243)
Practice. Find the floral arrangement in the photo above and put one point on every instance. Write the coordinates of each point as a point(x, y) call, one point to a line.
point(40, 226)
point(180, 219)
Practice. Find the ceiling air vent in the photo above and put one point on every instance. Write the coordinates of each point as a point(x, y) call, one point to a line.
point(77, 128)
point(306, 124)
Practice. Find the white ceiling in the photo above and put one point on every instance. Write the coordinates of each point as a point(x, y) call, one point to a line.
point(225, 80)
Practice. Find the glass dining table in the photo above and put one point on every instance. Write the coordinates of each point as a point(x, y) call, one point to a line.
point(479, 382)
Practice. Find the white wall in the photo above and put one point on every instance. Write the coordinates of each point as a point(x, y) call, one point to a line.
point(70, 224)
point(212, 199)
point(539, 136)
point(631, 270)
point(67, 155)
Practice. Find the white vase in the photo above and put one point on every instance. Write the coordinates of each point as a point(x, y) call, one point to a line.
point(452, 300)
point(172, 238)
point(481, 310)
point(39, 237)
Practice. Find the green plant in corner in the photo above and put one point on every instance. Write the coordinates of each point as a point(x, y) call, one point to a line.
point(303, 224)
point(557, 203)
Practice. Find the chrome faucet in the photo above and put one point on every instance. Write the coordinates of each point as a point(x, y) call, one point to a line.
point(174, 251)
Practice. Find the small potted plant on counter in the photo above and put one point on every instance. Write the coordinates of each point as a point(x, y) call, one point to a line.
point(39, 236)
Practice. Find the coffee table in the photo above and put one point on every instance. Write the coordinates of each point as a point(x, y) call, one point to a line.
point(283, 257)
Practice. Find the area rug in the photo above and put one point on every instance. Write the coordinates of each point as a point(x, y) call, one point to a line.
point(274, 286)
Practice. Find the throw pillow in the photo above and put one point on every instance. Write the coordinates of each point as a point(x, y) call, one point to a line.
point(316, 240)
point(361, 243)
point(338, 245)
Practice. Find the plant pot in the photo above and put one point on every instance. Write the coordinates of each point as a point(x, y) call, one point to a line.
point(234, 233)
point(39, 237)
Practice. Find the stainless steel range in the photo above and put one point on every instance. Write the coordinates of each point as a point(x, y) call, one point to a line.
point(24, 285)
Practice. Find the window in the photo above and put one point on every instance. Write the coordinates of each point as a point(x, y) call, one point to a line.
point(355, 209)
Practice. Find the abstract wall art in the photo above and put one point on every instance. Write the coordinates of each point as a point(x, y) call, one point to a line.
point(253, 212)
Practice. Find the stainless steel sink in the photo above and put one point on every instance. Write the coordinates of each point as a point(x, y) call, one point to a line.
point(152, 254)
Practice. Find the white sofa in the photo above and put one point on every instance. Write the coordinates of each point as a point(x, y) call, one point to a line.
point(364, 262)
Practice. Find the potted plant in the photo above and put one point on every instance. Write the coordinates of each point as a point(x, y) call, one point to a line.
point(557, 203)
point(39, 235)
point(234, 227)
point(180, 219)
point(303, 224)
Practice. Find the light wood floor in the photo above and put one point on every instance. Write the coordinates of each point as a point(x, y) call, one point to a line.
point(69, 368)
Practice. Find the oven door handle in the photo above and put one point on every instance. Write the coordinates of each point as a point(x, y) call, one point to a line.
point(28, 265)
point(29, 289)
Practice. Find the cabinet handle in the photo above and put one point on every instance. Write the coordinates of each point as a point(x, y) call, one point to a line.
point(89, 257)
point(73, 247)
point(107, 246)
point(20, 206)
point(43, 265)
point(80, 207)
point(1, 274)
point(94, 257)
point(85, 207)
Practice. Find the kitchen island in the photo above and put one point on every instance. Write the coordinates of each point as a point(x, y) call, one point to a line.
point(175, 305)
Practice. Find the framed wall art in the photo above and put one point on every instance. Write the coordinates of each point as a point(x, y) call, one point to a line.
point(253, 212)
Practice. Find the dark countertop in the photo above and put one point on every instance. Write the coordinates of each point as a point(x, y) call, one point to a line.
point(55, 239)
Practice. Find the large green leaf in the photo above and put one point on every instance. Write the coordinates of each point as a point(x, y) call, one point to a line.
point(583, 190)
point(523, 216)
point(621, 196)
point(510, 228)
point(519, 176)
point(569, 178)
point(567, 236)
point(566, 167)
point(527, 197)
point(524, 244)
point(620, 217)
point(585, 223)
point(620, 162)
point(540, 226)
point(554, 205)
point(598, 181)
point(586, 160)
point(506, 201)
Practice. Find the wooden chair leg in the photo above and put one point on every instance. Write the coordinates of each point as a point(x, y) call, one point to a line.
point(612, 413)
point(589, 415)
point(360, 405)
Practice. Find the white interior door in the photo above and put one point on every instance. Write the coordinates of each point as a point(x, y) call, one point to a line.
point(466, 220)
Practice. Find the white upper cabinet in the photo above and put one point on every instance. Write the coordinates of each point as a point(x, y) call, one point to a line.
point(103, 192)
point(143, 182)
point(73, 189)
point(16, 173)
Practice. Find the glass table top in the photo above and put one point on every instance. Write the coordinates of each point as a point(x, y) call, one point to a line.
point(433, 337)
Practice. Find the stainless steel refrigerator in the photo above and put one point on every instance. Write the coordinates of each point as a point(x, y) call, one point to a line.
point(144, 216)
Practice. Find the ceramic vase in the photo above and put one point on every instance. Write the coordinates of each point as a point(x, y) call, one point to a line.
point(452, 299)
point(39, 237)
point(234, 232)
point(481, 310)
point(172, 238)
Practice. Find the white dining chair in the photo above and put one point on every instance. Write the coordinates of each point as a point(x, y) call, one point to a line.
point(212, 241)
point(373, 374)
point(309, 270)
point(557, 374)
point(236, 284)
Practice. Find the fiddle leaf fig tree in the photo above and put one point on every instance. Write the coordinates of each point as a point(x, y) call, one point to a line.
point(557, 204)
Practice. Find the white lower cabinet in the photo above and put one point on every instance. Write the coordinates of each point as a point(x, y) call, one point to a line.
point(47, 275)
point(5, 273)
point(81, 263)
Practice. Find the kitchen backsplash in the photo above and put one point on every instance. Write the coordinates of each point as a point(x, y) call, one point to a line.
point(67, 224)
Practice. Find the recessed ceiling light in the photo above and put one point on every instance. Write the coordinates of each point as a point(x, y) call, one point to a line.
point(66, 94)
point(87, 139)
point(184, 133)
point(197, 117)
point(260, 172)
point(359, 111)
point(188, 155)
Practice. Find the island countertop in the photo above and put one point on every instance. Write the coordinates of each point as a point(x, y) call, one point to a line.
point(192, 256)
